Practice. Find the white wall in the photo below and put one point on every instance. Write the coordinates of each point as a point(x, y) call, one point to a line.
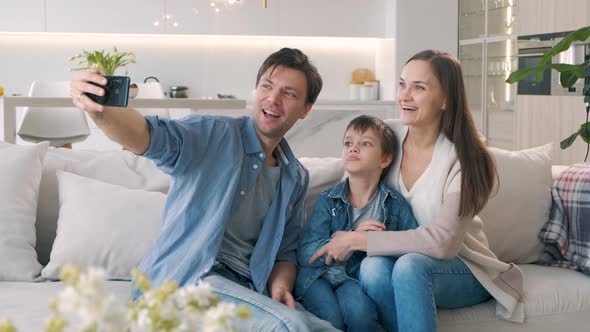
point(425, 24)
point(412, 26)
point(207, 64)
point(386, 58)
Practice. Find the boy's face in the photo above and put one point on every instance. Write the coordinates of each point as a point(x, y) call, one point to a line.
point(362, 153)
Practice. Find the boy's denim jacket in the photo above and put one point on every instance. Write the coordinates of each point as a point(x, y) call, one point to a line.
point(330, 214)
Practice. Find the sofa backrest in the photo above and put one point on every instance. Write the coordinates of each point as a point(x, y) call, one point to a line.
point(514, 214)
point(512, 218)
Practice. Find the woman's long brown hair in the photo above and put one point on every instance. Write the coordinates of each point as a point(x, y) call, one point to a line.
point(478, 169)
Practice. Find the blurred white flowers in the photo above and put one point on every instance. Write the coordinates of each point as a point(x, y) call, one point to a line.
point(86, 305)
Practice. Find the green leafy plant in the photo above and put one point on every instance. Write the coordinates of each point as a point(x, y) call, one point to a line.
point(107, 62)
point(569, 74)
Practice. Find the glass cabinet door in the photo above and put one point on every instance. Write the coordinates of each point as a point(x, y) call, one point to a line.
point(500, 96)
point(471, 57)
point(501, 17)
point(472, 19)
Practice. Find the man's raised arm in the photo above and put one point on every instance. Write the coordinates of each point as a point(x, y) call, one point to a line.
point(122, 125)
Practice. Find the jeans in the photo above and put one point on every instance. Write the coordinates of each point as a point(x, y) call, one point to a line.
point(407, 290)
point(266, 314)
point(346, 307)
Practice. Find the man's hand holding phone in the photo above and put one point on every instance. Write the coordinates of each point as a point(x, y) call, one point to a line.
point(116, 92)
point(129, 128)
point(91, 92)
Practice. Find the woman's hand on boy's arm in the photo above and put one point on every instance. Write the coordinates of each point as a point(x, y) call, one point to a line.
point(341, 246)
point(370, 225)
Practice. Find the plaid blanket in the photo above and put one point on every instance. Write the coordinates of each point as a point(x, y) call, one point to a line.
point(566, 235)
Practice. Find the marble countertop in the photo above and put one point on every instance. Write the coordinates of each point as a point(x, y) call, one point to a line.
point(345, 104)
point(354, 102)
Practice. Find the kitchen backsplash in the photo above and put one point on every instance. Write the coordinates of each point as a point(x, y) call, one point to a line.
point(208, 65)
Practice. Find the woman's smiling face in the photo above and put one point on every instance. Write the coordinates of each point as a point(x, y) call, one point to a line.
point(420, 96)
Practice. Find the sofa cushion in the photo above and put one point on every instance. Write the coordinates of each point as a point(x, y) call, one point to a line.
point(26, 304)
point(20, 174)
point(513, 217)
point(103, 225)
point(114, 167)
point(555, 299)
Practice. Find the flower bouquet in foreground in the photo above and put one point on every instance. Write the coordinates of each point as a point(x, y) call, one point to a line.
point(86, 305)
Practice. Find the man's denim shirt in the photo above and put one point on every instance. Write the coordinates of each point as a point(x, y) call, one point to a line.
point(330, 214)
point(212, 161)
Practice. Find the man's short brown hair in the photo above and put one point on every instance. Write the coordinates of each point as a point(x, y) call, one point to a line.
point(294, 59)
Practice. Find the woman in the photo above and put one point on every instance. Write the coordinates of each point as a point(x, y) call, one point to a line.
point(446, 174)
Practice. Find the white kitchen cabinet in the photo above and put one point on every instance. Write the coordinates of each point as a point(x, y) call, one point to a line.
point(245, 17)
point(189, 17)
point(105, 16)
point(326, 18)
point(545, 16)
point(471, 19)
point(331, 18)
point(488, 54)
point(22, 16)
point(500, 96)
point(472, 64)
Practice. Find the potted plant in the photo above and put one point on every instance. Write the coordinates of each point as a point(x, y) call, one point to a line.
point(569, 74)
point(107, 62)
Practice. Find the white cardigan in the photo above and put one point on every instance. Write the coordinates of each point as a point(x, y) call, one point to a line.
point(435, 199)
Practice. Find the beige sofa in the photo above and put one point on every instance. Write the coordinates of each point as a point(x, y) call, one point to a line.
point(109, 203)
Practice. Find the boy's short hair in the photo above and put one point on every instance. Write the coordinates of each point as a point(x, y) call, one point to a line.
point(386, 135)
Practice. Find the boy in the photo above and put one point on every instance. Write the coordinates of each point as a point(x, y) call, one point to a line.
point(328, 288)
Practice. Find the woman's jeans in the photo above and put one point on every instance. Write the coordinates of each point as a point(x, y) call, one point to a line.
point(346, 306)
point(408, 289)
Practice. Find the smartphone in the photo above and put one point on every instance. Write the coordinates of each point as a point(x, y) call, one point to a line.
point(116, 92)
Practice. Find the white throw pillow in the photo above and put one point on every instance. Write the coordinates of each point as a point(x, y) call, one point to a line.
point(20, 174)
point(115, 167)
point(103, 225)
point(513, 217)
point(323, 174)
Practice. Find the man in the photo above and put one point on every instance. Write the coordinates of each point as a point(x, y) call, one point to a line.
point(236, 202)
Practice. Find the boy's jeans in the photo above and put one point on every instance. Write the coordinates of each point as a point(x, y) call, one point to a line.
point(266, 314)
point(346, 306)
point(408, 289)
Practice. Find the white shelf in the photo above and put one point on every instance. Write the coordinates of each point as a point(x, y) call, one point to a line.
point(11, 102)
